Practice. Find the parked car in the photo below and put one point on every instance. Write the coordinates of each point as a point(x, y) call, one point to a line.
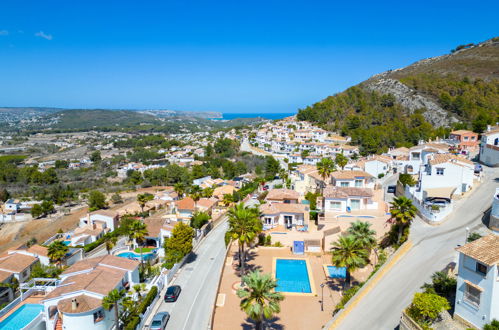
point(172, 293)
point(391, 189)
point(160, 320)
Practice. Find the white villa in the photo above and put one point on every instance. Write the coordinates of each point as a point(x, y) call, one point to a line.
point(477, 294)
point(346, 199)
point(76, 303)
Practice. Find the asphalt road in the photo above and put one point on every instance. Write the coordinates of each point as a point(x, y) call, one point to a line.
point(198, 279)
point(434, 248)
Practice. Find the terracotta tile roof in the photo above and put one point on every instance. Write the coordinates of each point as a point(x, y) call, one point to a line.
point(84, 303)
point(485, 250)
point(350, 174)
point(16, 262)
point(206, 202)
point(39, 250)
point(462, 132)
point(277, 208)
point(345, 192)
point(445, 158)
point(113, 261)
point(154, 226)
point(223, 190)
point(282, 194)
point(186, 204)
point(101, 280)
point(4, 275)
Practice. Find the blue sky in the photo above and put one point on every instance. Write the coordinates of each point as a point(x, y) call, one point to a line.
point(229, 56)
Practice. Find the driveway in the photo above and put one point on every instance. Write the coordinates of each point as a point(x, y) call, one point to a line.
point(434, 248)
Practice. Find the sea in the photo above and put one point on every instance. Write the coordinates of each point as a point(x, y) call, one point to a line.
point(266, 115)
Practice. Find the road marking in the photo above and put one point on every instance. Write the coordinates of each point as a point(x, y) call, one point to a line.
point(199, 291)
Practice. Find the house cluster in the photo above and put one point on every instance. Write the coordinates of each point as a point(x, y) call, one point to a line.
point(301, 142)
point(440, 176)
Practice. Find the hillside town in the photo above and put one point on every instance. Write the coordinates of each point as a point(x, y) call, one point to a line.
point(131, 231)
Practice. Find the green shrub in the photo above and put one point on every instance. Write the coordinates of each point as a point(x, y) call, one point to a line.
point(268, 240)
point(426, 307)
point(133, 324)
point(381, 175)
point(347, 295)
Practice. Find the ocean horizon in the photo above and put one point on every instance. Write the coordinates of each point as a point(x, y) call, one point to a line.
point(266, 115)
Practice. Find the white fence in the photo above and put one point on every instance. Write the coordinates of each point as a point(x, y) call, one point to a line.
point(19, 217)
point(427, 212)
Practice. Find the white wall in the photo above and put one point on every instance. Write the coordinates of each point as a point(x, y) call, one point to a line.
point(489, 299)
point(454, 176)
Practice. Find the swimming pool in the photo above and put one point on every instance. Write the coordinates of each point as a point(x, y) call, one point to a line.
point(292, 276)
point(133, 255)
point(66, 242)
point(21, 317)
point(336, 272)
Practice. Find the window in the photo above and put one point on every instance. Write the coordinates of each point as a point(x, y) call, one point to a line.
point(98, 316)
point(440, 171)
point(344, 184)
point(465, 138)
point(415, 155)
point(472, 295)
point(481, 268)
point(268, 221)
point(358, 182)
point(335, 205)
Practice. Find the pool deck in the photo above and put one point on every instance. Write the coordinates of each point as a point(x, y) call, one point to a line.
point(297, 311)
point(30, 300)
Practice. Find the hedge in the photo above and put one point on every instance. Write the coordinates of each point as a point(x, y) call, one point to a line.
point(132, 325)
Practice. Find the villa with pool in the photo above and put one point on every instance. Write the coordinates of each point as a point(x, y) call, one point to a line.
point(75, 300)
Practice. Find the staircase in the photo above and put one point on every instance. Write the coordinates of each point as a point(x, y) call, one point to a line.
point(58, 325)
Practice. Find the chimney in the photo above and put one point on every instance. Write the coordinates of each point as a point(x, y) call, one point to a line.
point(74, 304)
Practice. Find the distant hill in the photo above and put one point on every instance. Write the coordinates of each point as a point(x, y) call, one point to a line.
point(420, 101)
point(87, 119)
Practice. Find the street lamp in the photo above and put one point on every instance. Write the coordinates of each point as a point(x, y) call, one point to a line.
point(322, 299)
point(467, 235)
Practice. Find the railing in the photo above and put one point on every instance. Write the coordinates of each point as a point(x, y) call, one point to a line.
point(11, 305)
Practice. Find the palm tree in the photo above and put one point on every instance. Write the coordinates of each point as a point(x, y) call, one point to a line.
point(402, 213)
point(347, 252)
point(363, 234)
point(228, 199)
point(207, 192)
point(110, 243)
point(137, 233)
point(111, 300)
point(258, 299)
point(56, 251)
point(341, 160)
point(142, 199)
point(179, 189)
point(325, 167)
point(244, 226)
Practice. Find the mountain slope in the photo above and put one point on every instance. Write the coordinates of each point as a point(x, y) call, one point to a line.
point(400, 107)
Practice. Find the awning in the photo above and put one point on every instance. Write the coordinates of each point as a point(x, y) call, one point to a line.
point(444, 192)
point(473, 285)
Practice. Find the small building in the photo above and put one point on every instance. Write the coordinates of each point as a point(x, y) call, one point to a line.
point(345, 199)
point(466, 140)
point(477, 293)
point(185, 208)
point(105, 218)
point(282, 214)
point(282, 196)
point(358, 179)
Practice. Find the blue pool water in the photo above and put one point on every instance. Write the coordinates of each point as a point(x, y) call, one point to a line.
point(66, 242)
point(21, 317)
point(292, 276)
point(337, 272)
point(133, 255)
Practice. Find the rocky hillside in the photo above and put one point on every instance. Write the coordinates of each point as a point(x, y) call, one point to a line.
point(423, 100)
point(474, 62)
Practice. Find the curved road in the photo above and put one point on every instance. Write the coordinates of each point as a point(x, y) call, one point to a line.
point(434, 248)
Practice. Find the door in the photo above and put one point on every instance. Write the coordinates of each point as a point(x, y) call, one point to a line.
point(355, 204)
point(288, 221)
